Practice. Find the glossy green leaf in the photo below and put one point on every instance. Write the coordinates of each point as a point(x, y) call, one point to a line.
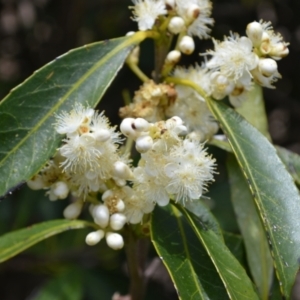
point(189, 266)
point(235, 244)
point(291, 161)
point(233, 275)
point(27, 135)
point(67, 285)
point(17, 241)
point(273, 189)
point(257, 249)
point(253, 110)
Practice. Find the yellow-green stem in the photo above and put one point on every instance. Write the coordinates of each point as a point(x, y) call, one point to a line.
point(138, 72)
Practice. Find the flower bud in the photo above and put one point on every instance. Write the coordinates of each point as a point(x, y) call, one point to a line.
point(102, 135)
point(279, 51)
point(114, 240)
point(140, 124)
point(143, 143)
point(120, 206)
point(134, 56)
point(126, 127)
point(267, 66)
point(173, 57)
point(193, 12)
point(101, 215)
point(72, 211)
point(187, 45)
point(94, 237)
point(176, 25)
point(120, 182)
point(130, 33)
point(175, 120)
point(117, 221)
point(36, 183)
point(255, 32)
point(60, 189)
point(121, 170)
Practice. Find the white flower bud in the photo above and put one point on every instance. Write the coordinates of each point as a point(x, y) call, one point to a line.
point(143, 143)
point(127, 129)
point(187, 45)
point(117, 221)
point(176, 25)
point(173, 57)
point(107, 194)
point(36, 183)
point(101, 215)
point(193, 12)
point(255, 32)
point(140, 124)
point(114, 240)
point(121, 170)
point(60, 189)
point(94, 237)
point(267, 66)
point(120, 206)
point(279, 51)
point(175, 120)
point(72, 211)
point(102, 135)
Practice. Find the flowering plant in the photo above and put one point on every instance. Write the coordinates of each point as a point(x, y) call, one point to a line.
point(149, 178)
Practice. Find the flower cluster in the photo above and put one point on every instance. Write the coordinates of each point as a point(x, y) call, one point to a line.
point(90, 162)
point(185, 17)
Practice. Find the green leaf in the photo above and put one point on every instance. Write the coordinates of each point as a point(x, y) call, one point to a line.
point(275, 194)
point(257, 249)
point(17, 241)
point(67, 285)
point(235, 244)
point(253, 110)
point(27, 135)
point(189, 266)
point(233, 275)
point(291, 161)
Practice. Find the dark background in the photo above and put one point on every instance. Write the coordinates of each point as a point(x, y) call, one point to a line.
point(34, 32)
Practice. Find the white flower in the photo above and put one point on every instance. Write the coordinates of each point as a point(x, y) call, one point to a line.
point(233, 58)
point(196, 14)
point(76, 121)
point(189, 170)
point(146, 12)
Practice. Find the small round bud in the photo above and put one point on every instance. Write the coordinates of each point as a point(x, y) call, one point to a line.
point(143, 143)
point(117, 221)
point(114, 240)
point(72, 211)
point(101, 215)
point(121, 170)
point(187, 45)
point(176, 25)
point(120, 205)
point(193, 12)
point(120, 182)
point(267, 66)
point(102, 135)
point(175, 120)
point(60, 189)
point(140, 124)
point(173, 57)
point(36, 183)
point(126, 127)
point(255, 32)
point(94, 237)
